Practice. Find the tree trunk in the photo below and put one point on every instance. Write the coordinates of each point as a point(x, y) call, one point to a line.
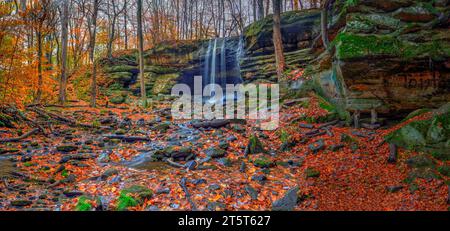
point(324, 24)
point(141, 53)
point(40, 77)
point(92, 54)
point(392, 154)
point(64, 37)
point(277, 39)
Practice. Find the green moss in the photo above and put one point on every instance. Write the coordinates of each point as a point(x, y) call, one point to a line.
point(312, 173)
point(133, 196)
point(350, 46)
point(444, 170)
point(83, 205)
point(263, 162)
point(120, 68)
point(164, 83)
point(416, 113)
point(254, 145)
point(125, 201)
point(284, 136)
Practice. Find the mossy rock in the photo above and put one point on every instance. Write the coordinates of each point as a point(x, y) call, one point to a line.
point(254, 146)
point(444, 170)
point(215, 152)
point(67, 148)
point(162, 127)
point(420, 161)
point(83, 204)
point(312, 173)
point(263, 162)
point(122, 68)
point(173, 152)
point(133, 196)
point(163, 83)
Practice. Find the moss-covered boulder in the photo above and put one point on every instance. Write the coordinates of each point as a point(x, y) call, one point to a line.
point(133, 196)
point(382, 53)
point(254, 146)
point(427, 135)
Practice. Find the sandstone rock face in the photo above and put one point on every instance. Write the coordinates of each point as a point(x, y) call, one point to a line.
point(389, 55)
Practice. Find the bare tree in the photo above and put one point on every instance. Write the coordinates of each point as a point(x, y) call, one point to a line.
point(277, 39)
point(64, 42)
point(141, 53)
point(93, 34)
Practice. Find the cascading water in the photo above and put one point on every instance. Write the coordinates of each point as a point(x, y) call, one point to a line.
point(223, 64)
point(212, 78)
point(239, 55)
point(206, 69)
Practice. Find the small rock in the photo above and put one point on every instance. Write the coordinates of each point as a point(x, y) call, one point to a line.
point(318, 146)
point(215, 152)
point(288, 202)
point(67, 148)
point(394, 189)
point(191, 165)
point(21, 203)
point(163, 191)
point(252, 192)
point(261, 178)
point(199, 181)
point(108, 173)
point(214, 187)
point(72, 194)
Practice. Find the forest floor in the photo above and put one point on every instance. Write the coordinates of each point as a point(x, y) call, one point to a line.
point(329, 167)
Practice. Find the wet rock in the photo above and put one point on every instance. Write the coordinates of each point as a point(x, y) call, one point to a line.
point(317, 146)
point(215, 152)
point(67, 148)
point(175, 152)
point(394, 189)
point(254, 146)
point(21, 203)
point(125, 123)
point(243, 167)
point(263, 162)
point(213, 206)
point(140, 123)
point(214, 187)
point(287, 202)
point(153, 208)
point(420, 161)
point(69, 179)
point(224, 145)
point(231, 138)
point(191, 165)
point(260, 178)
point(252, 192)
point(162, 127)
point(163, 191)
point(108, 173)
point(199, 181)
point(140, 193)
point(225, 162)
point(336, 147)
point(73, 194)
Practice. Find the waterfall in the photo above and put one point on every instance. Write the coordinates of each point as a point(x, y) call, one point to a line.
point(212, 77)
point(206, 73)
point(239, 55)
point(223, 64)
